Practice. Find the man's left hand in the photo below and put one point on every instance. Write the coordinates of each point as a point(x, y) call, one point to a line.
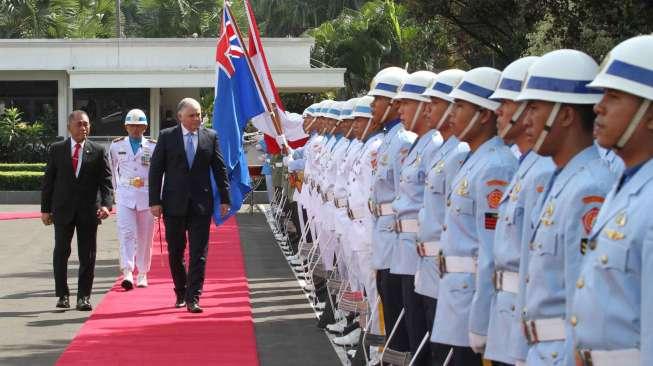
point(224, 209)
point(103, 213)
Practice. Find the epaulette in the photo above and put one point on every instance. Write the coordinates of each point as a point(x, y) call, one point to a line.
point(151, 140)
point(119, 139)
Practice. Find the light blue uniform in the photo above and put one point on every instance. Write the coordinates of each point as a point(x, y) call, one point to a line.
point(504, 329)
point(391, 154)
point(409, 201)
point(613, 299)
point(440, 170)
point(565, 219)
point(467, 236)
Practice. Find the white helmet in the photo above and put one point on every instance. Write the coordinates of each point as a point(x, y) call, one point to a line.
point(444, 84)
point(136, 117)
point(477, 86)
point(387, 82)
point(415, 84)
point(334, 110)
point(512, 78)
point(324, 107)
point(562, 76)
point(347, 111)
point(629, 68)
point(310, 111)
point(363, 107)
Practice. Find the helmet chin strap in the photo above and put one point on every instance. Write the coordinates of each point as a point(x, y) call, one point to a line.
point(349, 131)
point(632, 125)
point(514, 119)
point(444, 116)
point(470, 125)
point(332, 130)
point(310, 124)
point(386, 113)
point(416, 116)
point(547, 127)
point(367, 128)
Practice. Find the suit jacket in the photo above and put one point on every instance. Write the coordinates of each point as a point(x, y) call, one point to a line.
point(65, 195)
point(183, 183)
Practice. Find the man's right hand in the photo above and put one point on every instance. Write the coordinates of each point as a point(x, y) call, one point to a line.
point(156, 210)
point(46, 217)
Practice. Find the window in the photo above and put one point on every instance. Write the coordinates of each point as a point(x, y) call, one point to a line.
point(107, 108)
point(37, 100)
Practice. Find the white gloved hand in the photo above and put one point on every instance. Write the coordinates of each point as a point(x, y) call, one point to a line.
point(520, 363)
point(281, 140)
point(477, 342)
point(261, 158)
point(258, 147)
point(286, 160)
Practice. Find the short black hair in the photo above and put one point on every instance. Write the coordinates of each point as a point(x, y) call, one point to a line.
point(587, 115)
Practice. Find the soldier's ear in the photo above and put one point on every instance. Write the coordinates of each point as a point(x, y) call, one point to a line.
point(566, 116)
point(487, 116)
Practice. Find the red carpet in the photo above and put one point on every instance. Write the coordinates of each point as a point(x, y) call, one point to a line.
point(19, 215)
point(142, 327)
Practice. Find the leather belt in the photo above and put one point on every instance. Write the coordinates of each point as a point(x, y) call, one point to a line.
point(406, 226)
point(506, 281)
point(340, 202)
point(588, 357)
point(451, 264)
point(136, 182)
point(544, 330)
point(428, 248)
point(380, 209)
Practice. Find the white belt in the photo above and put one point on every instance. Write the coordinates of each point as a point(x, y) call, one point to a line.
point(340, 202)
point(406, 226)
point(381, 209)
point(608, 358)
point(506, 281)
point(134, 181)
point(278, 165)
point(428, 249)
point(451, 264)
point(544, 330)
point(356, 213)
point(328, 196)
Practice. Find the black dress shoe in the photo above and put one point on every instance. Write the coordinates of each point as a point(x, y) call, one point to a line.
point(84, 304)
point(127, 285)
point(63, 302)
point(180, 303)
point(194, 308)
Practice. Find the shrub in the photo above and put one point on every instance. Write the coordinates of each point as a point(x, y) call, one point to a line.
point(21, 141)
point(20, 181)
point(18, 167)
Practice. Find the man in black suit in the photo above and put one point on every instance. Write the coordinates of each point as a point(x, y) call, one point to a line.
point(76, 195)
point(182, 161)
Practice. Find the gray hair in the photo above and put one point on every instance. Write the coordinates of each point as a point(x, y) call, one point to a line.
point(72, 115)
point(186, 102)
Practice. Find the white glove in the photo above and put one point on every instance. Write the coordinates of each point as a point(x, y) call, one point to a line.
point(477, 342)
point(520, 363)
point(286, 159)
point(258, 147)
point(281, 140)
point(261, 158)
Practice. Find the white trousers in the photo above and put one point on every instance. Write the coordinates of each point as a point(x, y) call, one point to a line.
point(367, 275)
point(135, 232)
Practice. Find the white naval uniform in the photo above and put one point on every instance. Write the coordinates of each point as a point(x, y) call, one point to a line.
point(135, 222)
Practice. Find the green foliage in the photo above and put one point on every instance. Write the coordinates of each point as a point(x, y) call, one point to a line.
point(21, 141)
point(17, 167)
point(20, 181)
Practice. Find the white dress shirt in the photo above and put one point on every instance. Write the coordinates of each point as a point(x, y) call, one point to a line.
point(185, 132)
point(80, 154)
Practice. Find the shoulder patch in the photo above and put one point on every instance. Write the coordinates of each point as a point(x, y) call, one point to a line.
point(589, 218)
point(496, 182)
point(119, 139)
point(593, 199)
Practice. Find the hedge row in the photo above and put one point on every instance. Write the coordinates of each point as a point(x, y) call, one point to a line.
point(22, 167)
point(20, 181)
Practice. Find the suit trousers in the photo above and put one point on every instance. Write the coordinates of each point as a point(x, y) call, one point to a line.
point(86, 229)
point(389, 287)
point(189, 285)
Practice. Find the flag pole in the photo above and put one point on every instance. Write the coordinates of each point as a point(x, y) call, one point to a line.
point(259, 85)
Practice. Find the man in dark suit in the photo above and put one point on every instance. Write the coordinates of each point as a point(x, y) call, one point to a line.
point(76, 195)
point(182, 161)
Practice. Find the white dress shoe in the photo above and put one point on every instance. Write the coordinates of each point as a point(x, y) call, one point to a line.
point(309, 288)
point(142, 280)
point(320, 305)
point(337, 327)
point(127, 280)
point(348, 340)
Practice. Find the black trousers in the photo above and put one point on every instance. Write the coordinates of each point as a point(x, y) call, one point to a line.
point(389, 287)
point(86, 228)
point(465, 356)
point(416, 322)
point(439, 351)
point(189, 285)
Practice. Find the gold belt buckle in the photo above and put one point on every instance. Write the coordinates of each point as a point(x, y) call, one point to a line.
point(530, 331)
point(584, 357)
point(421, 250)
point(442, 263)
point(137, 182)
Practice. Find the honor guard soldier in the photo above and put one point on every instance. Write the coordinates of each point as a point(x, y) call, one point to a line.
point(470, 218)
point(130, 161)
point(560, 121)
point(393, 150)
point(612, 303)
point(440, 169)
point(505, 337)
point(409, 200)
